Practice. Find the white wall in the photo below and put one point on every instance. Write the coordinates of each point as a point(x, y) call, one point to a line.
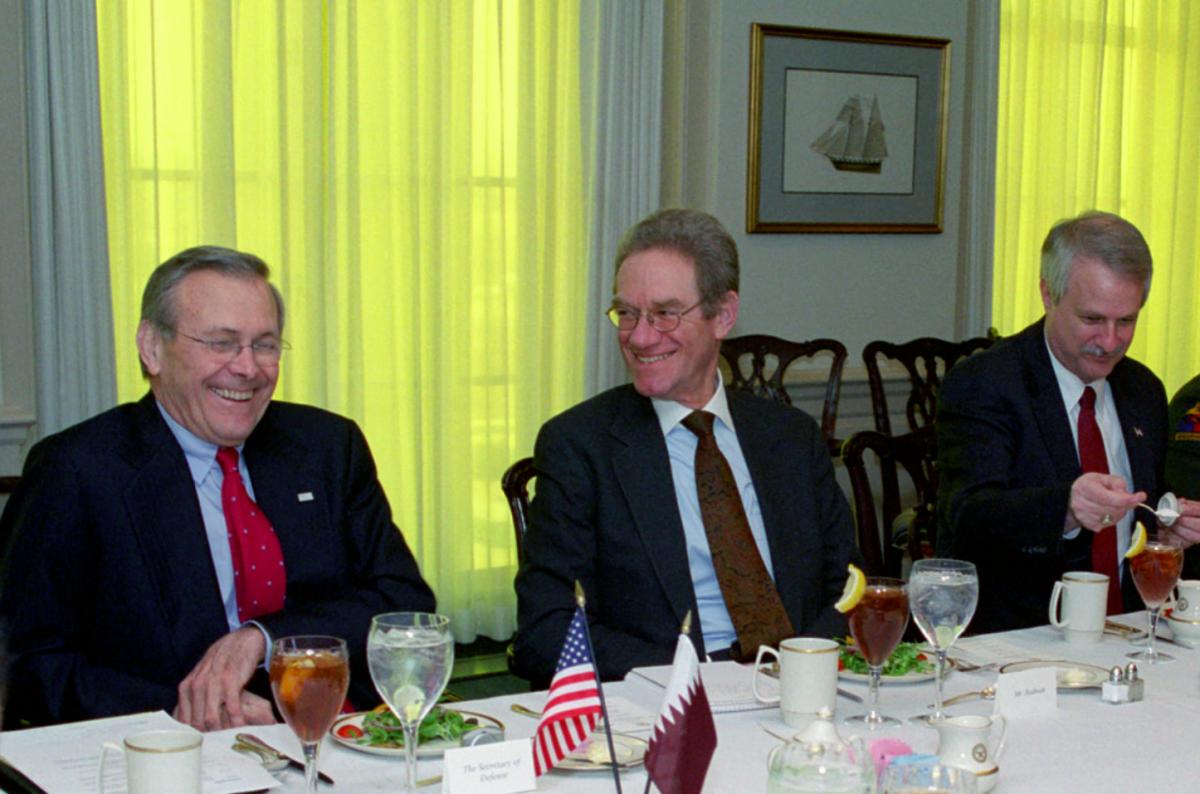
point(854, 287)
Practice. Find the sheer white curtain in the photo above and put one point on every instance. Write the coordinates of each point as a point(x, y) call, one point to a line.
point(622, 103)
point(72, 312)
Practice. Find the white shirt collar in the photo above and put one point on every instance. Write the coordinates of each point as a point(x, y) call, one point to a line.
point(671, 413)
point(1071, 386)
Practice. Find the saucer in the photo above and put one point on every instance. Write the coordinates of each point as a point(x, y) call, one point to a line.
point(1188, 630)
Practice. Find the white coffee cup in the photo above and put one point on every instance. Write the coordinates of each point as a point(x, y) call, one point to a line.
point(158, 761)
point(808, 668)
point(1084, 597)
point(1187, 600)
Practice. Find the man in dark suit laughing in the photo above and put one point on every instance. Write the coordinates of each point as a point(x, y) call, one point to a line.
point(672, 493)
point(154, 551)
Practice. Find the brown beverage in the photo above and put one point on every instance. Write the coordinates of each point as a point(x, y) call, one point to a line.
point(309, 690)
point(878, 621)
point(1155, 571)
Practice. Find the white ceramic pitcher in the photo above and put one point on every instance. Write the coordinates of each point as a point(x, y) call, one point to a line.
point(973, 742)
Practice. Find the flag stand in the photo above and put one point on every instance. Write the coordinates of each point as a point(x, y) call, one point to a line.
point(608, 727)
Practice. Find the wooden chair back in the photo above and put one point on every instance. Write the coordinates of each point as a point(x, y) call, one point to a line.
point(926, 360)
point(515, 484)
point(758, 362)
point(915, 454)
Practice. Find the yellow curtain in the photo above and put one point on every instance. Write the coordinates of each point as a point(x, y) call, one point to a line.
point(412, 172)
point(1098, 109)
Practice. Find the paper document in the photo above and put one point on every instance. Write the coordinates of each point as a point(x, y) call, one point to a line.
point(65, 759)
point(729, 685)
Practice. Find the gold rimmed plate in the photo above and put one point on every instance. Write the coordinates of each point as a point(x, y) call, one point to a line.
point(1069, 675)
point(592, 755)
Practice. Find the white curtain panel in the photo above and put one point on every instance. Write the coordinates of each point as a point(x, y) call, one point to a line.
point(72, 307)
point(622, 48)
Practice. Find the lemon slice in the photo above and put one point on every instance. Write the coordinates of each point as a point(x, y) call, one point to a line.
point(1137, 544)
point(856, 585)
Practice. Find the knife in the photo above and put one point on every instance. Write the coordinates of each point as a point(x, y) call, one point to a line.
point(294, 763)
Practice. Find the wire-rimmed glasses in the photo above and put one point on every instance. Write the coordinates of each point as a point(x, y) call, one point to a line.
point(626, 318)
point(265, 351)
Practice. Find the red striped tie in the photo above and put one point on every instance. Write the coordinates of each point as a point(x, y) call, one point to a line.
point(1092, 457)
point(259, 578)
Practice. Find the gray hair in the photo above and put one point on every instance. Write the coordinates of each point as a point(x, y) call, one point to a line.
point(1097, 235)
point(158, 299)
point(695, 234)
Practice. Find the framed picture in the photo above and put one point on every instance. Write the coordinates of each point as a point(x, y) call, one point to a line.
point(847, 131)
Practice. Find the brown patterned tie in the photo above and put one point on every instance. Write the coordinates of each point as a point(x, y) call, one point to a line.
point(750, 596)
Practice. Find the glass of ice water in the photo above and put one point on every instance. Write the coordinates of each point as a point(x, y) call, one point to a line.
point(410, 655)
point(942, 595)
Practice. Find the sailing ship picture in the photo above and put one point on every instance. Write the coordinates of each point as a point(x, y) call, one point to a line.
point(855, 140)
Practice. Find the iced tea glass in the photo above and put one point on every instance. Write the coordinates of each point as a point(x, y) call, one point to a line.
point(309, 678)
point(877, 623)
point(1155, 572)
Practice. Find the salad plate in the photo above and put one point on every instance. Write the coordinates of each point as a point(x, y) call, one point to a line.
point(910, 663)
point(350, 731)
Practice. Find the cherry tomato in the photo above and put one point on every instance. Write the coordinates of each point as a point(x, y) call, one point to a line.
point(350, 731)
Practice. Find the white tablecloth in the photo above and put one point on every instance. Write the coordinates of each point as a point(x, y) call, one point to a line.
point(1088, 746)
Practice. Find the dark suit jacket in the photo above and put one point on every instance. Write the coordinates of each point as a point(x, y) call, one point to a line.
point(1006, 462)
point(605, 513)
point(109, 589)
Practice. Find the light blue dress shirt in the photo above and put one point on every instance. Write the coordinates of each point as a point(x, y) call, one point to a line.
point(715, 623)
point(206, 474)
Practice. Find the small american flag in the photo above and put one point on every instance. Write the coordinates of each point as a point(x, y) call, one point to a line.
point(573, 704)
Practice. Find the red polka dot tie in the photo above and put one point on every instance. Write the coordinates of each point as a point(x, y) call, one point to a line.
point(259, 579)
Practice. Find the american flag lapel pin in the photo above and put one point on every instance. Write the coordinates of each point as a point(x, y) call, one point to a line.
point(1137, 431)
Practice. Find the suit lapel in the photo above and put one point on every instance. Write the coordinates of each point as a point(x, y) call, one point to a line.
point(1134, 426)
point(165, 516)
point(291, 494)
point(644, 475)
point(1048, 408)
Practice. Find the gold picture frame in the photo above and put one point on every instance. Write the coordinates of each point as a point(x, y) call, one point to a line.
point(847, 131)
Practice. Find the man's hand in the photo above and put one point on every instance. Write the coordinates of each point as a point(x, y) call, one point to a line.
point(1187, 526)
point(212, 696)
point(1099, 500)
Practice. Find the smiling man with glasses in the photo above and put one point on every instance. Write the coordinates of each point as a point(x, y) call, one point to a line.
point(157, 549)
point(672, 494)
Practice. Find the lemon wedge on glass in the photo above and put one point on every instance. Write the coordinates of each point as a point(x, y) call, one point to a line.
point(856, 585)
point(1137, 544)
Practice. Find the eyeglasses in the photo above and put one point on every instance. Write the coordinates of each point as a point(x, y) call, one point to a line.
point(264, 351)
point(664, 321)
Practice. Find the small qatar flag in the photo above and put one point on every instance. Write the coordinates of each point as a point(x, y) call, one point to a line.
point(684, 737)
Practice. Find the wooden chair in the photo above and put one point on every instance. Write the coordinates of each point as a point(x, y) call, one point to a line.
point(914, 453)
point(926, 360)
point(749, 357)
point(8, 485)
point(515, 484)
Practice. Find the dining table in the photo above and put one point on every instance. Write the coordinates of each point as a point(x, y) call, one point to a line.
point(1083, 745)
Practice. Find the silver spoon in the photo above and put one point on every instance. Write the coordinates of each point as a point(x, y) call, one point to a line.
point(1168, 509)
point(987, 693)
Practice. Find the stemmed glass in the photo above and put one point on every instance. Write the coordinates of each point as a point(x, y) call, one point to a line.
point(410, 655)
point(942, 595)
point(877, 623)
point(309, 678)
point(1155, 572)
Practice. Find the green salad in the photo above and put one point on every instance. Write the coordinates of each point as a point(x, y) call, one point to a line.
point(908, 658)
point(382, 729)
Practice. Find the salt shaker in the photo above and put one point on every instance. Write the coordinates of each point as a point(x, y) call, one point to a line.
point(1116, 688)
point(1137, 686)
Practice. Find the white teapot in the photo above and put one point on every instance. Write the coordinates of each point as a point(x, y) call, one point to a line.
point(972, 742)
point(818, 760)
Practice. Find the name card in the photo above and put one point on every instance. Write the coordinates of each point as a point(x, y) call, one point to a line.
point(500, 768)
point(1028, 693)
